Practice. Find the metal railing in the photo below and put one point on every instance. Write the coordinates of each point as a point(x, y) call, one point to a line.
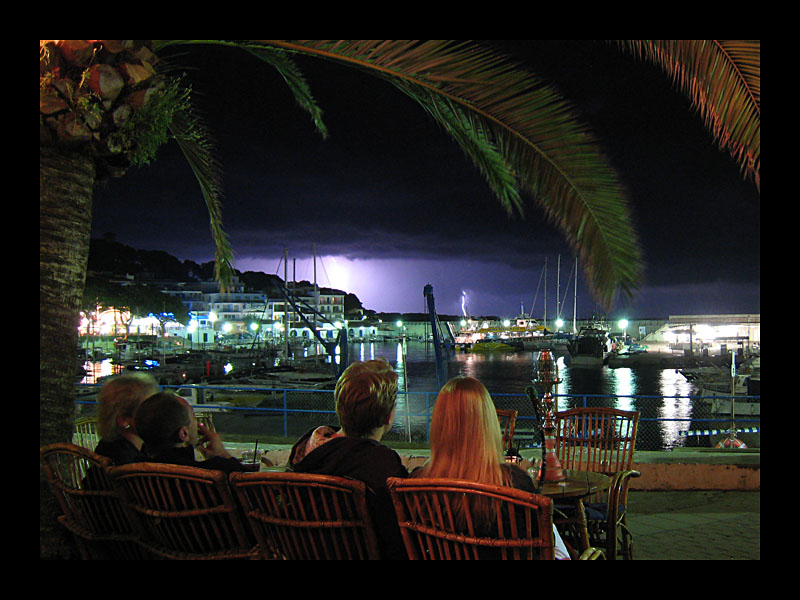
point(289, 413)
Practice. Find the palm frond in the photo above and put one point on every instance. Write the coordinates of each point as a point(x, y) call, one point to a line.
point(520, 133)
point(294, 79)
point(195, 142)
point(278, 59)
point(723, 80)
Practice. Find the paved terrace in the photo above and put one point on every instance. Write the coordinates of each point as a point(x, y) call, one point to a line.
point(689, 504)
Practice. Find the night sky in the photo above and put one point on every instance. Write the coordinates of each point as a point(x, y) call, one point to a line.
point(393, 204)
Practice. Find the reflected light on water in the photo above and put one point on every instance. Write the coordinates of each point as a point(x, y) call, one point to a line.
point(366, 351)
point(96, 370)
point(623, 383)
point(675, 384)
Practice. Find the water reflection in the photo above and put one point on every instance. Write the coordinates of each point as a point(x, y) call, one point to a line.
point(624, 386)
point(96, 370)
point(675, 409)
point(660, 393)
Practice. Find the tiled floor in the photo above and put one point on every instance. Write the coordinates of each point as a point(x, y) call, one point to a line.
point(695, 525)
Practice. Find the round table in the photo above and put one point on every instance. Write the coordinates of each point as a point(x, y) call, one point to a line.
point(577, 486)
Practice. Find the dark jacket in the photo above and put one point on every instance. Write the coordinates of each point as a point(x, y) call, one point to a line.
point(365, 460)
point(121, 452)
point(185, 456)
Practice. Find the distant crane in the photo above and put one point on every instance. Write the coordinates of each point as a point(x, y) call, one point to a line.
point(440, 349)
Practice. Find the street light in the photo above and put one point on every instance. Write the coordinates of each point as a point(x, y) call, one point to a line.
point(623, 324)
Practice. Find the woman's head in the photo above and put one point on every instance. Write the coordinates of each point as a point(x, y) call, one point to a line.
point(118, 401)
point(466, 441)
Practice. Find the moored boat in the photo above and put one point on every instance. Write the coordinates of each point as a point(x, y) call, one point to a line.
point(746, 396)
point(591, 348)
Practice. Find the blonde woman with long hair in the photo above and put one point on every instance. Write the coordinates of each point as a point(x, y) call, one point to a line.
point(466, 443)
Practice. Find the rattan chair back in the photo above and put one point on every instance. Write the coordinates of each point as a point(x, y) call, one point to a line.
point(439, 521)
point(184, 512)
point(508, 420)
point(305, 516)
point(92, 512)
point(600, 440)
point(86, 433)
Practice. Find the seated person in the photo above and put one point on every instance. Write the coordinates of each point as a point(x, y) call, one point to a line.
point(119, 398)
point(466, 443)
point(365, 396)
point(170, 431)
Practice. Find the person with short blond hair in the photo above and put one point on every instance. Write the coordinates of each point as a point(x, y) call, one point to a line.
point(119, 398)
point(365, 396)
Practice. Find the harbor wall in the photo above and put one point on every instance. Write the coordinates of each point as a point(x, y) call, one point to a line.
point(679, 470)
point(698, 469)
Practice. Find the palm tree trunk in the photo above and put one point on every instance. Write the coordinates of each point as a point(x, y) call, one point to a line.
point(65, 217)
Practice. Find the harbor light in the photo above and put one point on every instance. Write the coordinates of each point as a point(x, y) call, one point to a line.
point(559, 323)
point(623, 324)
point(254, 326)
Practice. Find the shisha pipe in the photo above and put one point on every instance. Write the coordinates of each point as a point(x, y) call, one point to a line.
point(543, 406)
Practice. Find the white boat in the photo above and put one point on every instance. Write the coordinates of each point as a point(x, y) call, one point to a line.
point(718, 374)
point(491, 335)
point(591, 348)
point(719, 395)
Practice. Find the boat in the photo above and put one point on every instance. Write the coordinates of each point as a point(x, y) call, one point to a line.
point(591, 347)
point(215, 398)
point(720, 374)
point(746, 395)
point(547, 340)
point(517, 335)
point(491, 346)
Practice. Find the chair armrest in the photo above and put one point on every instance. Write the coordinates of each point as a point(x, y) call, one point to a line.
point(593, 554)
point(618, 493)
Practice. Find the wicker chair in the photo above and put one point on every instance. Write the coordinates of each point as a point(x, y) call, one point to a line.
point(508, 419)
point(91, 510)
point(601, 440)
point(304, 516)
point(86, 433)
point(522, 528)
point(184, 513)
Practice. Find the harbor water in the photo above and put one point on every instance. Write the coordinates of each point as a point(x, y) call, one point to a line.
point(667, 402)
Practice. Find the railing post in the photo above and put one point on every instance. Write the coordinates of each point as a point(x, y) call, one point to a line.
point(285, 416)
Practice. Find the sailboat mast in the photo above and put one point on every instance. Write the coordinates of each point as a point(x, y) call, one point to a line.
point(316, 289)
point(575, 302)
point(285, 303)
point(545, 293)
point(558, 288)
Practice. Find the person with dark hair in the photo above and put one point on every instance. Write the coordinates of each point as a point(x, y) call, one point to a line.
point(365, 397)
point(119, 398)
point(169, 428)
